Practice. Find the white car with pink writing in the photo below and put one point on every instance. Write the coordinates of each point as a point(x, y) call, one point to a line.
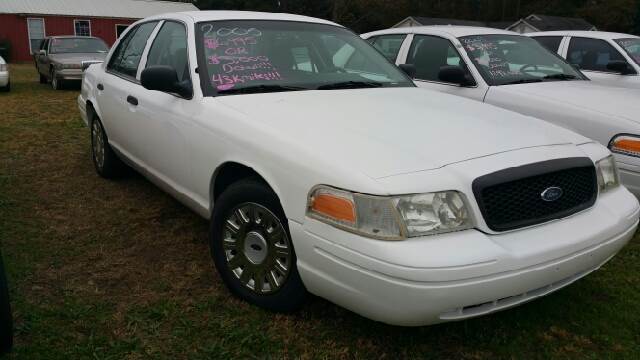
point(323, 169)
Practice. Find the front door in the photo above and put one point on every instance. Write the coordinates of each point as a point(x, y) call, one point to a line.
point(167, 117)
point(118, 93)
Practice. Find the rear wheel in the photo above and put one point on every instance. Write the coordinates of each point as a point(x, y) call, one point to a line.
point(106, 162)
point(43, 79)
point(252, 249)
point(7, 88)
point(6, 320)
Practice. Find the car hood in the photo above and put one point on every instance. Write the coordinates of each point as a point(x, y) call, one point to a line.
point(586, 95)
point(77, 58)
point(391, 131)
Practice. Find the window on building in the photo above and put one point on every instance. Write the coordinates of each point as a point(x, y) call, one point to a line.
point(36, 31)
point(82, 27)
point(120, 28)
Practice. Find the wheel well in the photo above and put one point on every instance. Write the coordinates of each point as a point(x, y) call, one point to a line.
point(230, 173)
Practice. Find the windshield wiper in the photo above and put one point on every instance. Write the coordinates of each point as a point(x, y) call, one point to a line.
point(350, 85)
point(261, 89)
point(522, 81)
point(560, 77)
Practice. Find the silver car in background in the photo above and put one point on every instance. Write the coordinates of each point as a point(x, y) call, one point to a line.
point(59, 58)
point(5, 81)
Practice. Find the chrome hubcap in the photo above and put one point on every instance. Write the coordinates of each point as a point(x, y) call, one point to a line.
point(98, 144)
point(257, 248)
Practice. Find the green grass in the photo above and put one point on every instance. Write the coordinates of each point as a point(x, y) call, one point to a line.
point(112, 270)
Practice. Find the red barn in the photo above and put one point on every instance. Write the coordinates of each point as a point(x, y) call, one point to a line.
point(24, 23)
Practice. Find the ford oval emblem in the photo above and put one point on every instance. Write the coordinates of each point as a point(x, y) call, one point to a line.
point(551, 194)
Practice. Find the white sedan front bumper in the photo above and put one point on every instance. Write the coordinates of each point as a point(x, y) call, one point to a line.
point(460, 275)
point(629, 167)
point(4, 78)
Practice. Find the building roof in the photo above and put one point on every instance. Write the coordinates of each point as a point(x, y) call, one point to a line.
point(129, 9)
point(550, 23)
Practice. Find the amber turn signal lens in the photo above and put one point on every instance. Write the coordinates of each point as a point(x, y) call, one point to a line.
point(334, 207)
point(626, 145)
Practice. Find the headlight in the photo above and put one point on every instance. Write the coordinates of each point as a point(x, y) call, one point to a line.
point(390, 217)
point(608, 176)
point(626, 145)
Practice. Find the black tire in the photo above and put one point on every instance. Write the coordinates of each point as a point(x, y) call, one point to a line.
point(6, 320)
point(291, 294)
point(6, 88)
point(43, 79)
point(56, 84)
point(108, 164)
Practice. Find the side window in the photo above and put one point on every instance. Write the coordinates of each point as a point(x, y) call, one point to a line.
point(592, 54)
point(552, 43)
point(126, 57)
point(429, 53)
point(170, 48)
point(388, 45)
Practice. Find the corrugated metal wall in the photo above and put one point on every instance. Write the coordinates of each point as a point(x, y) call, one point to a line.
point(14, 29)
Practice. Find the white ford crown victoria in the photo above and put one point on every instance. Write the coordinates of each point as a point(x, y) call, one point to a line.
point(516, 73)
point(407, 206)
point(609, 59)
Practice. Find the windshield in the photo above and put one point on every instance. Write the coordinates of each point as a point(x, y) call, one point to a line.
point(77, 45)
point(264, 56)
point(632, 47)
point(514, 59)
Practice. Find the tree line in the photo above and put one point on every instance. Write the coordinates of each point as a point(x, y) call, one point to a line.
point(367, 15)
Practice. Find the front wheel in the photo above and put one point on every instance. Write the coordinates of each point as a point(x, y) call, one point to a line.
point(56, 84)
point(252, 249)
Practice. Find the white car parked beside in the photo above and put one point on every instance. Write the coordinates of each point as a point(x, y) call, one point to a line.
point(610, 59)
point(407, 206)
point(515, 72)
point(5, 81)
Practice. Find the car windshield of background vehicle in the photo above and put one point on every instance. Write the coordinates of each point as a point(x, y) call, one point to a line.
point(513, 59)
point(269, 56)
point(632, 47)
point(77, 45)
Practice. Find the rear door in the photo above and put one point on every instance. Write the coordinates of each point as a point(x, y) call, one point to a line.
point(117, 92)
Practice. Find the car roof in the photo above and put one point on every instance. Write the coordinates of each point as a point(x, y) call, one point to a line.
point(587, 34)
point(72, 37)
point(220, 15)
point(455, 31)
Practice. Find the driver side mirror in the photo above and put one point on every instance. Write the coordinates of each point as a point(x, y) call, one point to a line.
point(408, 69)
point(455, 75)
point(43, 52)
point(165, 78)
point(621, 67)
